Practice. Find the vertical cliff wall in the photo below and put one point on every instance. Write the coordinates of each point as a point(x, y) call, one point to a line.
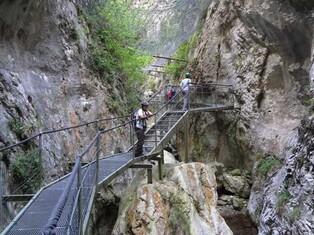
point(45, 79)
point(262, 48)
point(169, 23)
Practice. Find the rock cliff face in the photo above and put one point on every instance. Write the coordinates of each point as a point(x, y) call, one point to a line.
point(184, 203)
point(288, 194)
point(169, 23)
point(263, 48)
point(45, 80)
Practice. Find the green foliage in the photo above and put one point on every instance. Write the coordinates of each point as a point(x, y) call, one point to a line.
point(25, 171)
point(114, 105)
point(217, 57)
point(309, 102)
point(20, 129)
point(152, 86)
point(115, 28)
point(178, 219)
point(283, 197)
point(235, 172)
point(238, 61)
point(176, 68)
point(17, 127)
point(266, 163)
point(295, 213)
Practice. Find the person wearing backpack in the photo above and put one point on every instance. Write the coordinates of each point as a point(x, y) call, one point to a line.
point(140, 126)
point(171, 93)
point(185, 86)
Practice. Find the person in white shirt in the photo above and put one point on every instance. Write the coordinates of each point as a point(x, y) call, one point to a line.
point(185, 86)
point(141, 116)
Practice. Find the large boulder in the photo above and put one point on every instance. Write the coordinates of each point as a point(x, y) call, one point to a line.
point(183, 203)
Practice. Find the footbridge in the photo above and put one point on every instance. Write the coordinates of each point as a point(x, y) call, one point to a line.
point(65, 205)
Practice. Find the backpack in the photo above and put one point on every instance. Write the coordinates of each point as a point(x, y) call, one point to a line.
point(134, 117)
point(169, 95)
point(173, 91)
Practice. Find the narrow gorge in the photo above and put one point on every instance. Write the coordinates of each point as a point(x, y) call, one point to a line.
point(250, 170)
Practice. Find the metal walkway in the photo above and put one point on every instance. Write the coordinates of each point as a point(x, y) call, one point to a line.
point(37, 212)
point(74, 193)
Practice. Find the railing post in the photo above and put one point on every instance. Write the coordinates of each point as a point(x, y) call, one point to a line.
point(155, 123)
point(97, 159)
point(160, 163)
point(40, 140)
point(133, 139)
point(149, 176)
point(232, 96)
point(186, 137)
point(79, 201)
point(130, 132)
point(204, 89)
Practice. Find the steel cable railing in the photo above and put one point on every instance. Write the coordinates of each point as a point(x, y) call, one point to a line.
point(59, 130)
point(86, 184)
point(201, 96)
point(160, 104)
point(41, 134)
point(53, 221)
point(35, 173)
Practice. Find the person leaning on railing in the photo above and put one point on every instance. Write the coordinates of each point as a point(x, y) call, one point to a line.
point(185, 86)
point(141, 116)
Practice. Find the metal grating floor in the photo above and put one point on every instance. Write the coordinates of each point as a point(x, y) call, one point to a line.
point(35, 214)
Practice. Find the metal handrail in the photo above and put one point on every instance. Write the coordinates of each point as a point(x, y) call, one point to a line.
point(59, 130)
point(178, 97)
point(55, 216)
point(73, 127)
point(107, 119)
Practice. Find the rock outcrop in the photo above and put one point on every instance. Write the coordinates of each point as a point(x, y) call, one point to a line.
point(183, 203)
point(264, 49)
point(46, 82)
point(169, 23)
point(287, 196)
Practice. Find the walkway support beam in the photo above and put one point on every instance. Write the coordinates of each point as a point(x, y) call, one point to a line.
point(186, 138)
point(149, 168)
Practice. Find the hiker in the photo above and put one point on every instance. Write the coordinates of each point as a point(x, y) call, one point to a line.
point(141, 116)
point(185, 86)
point(171, 93)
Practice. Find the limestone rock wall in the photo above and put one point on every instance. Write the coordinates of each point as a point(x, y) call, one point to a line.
point(282, 203)
point(45, 80)
point(183, 203)
point(264, 49)
point(169, 23)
